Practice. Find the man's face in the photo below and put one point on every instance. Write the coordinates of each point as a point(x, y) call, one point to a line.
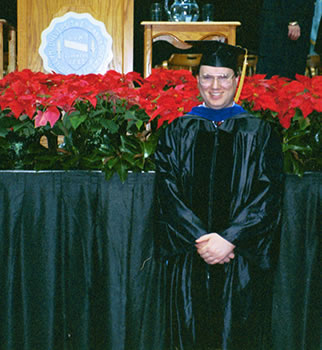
point(217, 86)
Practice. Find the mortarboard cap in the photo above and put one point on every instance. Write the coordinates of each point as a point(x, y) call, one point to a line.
point(217, 54)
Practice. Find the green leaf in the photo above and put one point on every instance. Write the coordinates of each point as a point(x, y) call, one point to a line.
point(129, 158)
point(108, 174)
point(112, 127)
point(111, 163)
point(18, 127)
point(122, 170)
point(139, 124)
point(24, 117)
point(305, 148)
point(139, 163)
point(104, 149)
point(120, 108)
point(149, 147)
point(8, 122)
point(291, 165)
point(304, 123)
point(99, 112)
point(128, 115)
point(77, 119)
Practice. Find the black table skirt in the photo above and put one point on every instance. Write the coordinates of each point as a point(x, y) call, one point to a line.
point(297, 289)
point(77, 268)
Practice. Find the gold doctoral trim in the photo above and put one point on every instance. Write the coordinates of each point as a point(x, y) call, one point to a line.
point(242, 77)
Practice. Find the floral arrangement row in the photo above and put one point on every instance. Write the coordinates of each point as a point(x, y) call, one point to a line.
point(111, 122)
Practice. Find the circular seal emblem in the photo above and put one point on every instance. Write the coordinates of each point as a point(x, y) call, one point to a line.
point(76, 43)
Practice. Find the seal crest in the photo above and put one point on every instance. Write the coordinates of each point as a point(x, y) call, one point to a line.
point(76, 43)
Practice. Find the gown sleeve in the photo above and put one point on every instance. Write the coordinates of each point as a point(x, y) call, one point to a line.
point(178, 224)
point(256, 207)
point(298, 10)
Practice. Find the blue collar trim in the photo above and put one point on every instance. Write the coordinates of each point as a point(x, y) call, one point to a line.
point(217, 115)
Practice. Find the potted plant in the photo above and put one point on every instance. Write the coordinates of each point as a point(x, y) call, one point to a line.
point(111, 122)
point(108, 122)
point(295, 108)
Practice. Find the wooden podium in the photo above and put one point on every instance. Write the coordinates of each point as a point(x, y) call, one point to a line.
point(34, 16)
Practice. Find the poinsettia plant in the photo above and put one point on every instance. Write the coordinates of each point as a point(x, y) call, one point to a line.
point(108, 122)
point(111, 122)
point(295, 108)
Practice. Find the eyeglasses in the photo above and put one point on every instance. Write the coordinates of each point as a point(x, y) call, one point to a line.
point(224, 80)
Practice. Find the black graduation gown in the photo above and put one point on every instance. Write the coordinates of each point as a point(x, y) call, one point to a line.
point(278, 55)
point(224, 179)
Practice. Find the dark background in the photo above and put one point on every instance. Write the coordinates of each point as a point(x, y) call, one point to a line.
point(245, 11)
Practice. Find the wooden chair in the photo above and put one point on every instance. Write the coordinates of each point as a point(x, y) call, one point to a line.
point(313, 65)
point(251, 64)
point(183, 61)
point(189, 61)
point(192, 61)
point(8, 48)
point(177, 33)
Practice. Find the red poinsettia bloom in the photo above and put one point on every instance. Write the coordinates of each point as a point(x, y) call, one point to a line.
point(50, 115)
point(165, 94)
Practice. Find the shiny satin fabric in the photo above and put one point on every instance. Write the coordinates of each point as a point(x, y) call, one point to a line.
point(297, 284)
point(44, 274)
point(225, 179)
point(76, 266)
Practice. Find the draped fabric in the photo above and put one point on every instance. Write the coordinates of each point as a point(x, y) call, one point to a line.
point(75, 274)
point(297, 296)
point(277, 54)
point(76, 270)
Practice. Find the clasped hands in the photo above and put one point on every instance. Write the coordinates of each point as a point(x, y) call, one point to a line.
point(214, 249)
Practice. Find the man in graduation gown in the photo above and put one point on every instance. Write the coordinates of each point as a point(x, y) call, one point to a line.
point(284, 37)
point(219, 192)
